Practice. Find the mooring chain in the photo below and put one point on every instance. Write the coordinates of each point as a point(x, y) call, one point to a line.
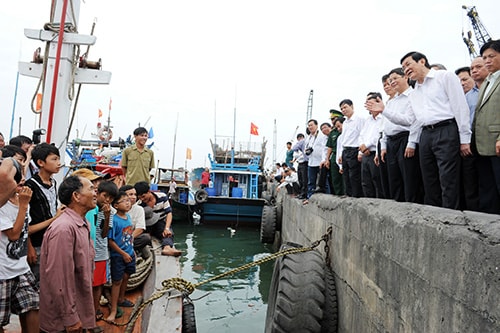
point(326, 238)
point(186, 288)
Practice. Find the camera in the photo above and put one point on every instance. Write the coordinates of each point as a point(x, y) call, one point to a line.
point(37, 135)
point(309, 151)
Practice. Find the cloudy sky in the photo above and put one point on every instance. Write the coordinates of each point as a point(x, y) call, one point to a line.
point(199, 60)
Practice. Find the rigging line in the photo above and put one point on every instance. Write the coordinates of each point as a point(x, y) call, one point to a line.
point(79, 88)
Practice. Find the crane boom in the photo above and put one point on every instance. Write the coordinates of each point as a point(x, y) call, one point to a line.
point(480, 32)
point(309, 106)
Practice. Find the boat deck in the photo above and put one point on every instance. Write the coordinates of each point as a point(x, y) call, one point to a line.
point(154, 317)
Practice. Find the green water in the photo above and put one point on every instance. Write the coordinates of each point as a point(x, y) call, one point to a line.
point(237, 303)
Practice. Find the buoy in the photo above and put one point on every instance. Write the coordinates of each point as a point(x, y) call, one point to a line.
point(105, 133)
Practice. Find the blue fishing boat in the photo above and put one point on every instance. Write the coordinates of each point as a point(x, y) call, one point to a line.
point(235, 194)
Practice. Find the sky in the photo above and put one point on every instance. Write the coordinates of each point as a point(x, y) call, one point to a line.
point(187, 67)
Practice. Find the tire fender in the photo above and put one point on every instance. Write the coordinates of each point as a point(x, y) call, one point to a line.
point(268, 224)
point(201, 196)
point(297, 293)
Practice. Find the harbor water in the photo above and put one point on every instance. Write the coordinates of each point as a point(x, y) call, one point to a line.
point(237, 303)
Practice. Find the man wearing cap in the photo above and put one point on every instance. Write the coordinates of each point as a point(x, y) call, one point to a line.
point(331, 143)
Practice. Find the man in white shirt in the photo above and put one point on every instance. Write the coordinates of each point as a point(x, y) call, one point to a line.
point(399, 144)
point(368, 141)
point(438, 104)
point(302, 160)
point(350, 148)
point(315, 149)
point(290, 181)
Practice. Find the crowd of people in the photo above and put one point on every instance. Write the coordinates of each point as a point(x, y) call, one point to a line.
point(60, 244)
point(435, 140)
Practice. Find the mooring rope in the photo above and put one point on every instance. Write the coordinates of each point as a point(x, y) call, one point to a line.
point(186, 288)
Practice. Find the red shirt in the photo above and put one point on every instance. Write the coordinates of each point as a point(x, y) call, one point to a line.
point(205, 177)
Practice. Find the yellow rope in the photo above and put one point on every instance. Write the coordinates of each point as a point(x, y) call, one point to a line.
point(187, 288)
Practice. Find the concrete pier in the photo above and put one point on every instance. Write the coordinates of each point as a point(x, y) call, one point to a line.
point(404, 267)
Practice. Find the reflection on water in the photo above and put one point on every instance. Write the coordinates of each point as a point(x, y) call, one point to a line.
point(236, 303)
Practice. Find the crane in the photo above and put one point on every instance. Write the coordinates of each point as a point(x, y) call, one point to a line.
point(480, 32)
point(309, 106)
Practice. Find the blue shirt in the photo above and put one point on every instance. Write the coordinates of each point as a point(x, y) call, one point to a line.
point(121, 234)
point(472, 97)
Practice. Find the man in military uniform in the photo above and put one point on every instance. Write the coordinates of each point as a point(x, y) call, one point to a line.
point(337, 181)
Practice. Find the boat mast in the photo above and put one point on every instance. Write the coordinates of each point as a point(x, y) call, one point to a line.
point(61, 68)
point(234, 129)
point(275, 138)
point(175, 141)
point(214, 147)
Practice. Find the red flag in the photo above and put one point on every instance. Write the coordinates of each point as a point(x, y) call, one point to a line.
point(110, 104)
point(254, 130)
point(100, 113)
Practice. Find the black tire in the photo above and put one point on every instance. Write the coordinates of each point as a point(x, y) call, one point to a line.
point(296, 296)
point(268, 225)
point(188, 318)
point(201, 196)
point(329, 323)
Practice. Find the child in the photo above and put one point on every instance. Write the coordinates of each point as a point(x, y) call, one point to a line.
point(18, 290)
point(43, 204)
point(121, 244)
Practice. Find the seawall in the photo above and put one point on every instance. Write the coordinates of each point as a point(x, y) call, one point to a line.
point(404, 267)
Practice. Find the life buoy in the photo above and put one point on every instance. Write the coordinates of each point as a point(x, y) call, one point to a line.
point(268, 225)
point(105, 133)
point(298, 280)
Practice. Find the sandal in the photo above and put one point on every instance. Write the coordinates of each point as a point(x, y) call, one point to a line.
point(98, 315)
point(126, 303)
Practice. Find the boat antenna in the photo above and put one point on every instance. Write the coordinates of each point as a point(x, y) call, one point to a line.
point(275, 135)
point(175, 139)
point(147, 121)
point(234, 119)
point(215, 127)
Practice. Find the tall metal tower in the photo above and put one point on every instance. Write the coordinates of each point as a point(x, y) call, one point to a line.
point(480, 32)
point(309, 106)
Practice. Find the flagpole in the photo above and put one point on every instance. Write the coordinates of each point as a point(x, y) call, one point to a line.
point(175, 139)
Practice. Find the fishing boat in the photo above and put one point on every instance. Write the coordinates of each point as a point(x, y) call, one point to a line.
point(182, 201)
point(235, 194)
point(63, 69)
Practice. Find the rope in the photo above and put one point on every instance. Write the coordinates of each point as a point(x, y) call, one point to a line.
point(186, 288)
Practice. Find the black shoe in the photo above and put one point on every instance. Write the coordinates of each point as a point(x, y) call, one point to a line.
point(319, 190)
point(301, 197)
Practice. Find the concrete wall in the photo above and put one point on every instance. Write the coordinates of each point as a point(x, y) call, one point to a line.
point(404, 267)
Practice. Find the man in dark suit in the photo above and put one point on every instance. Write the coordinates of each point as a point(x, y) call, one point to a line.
point(487, 131)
